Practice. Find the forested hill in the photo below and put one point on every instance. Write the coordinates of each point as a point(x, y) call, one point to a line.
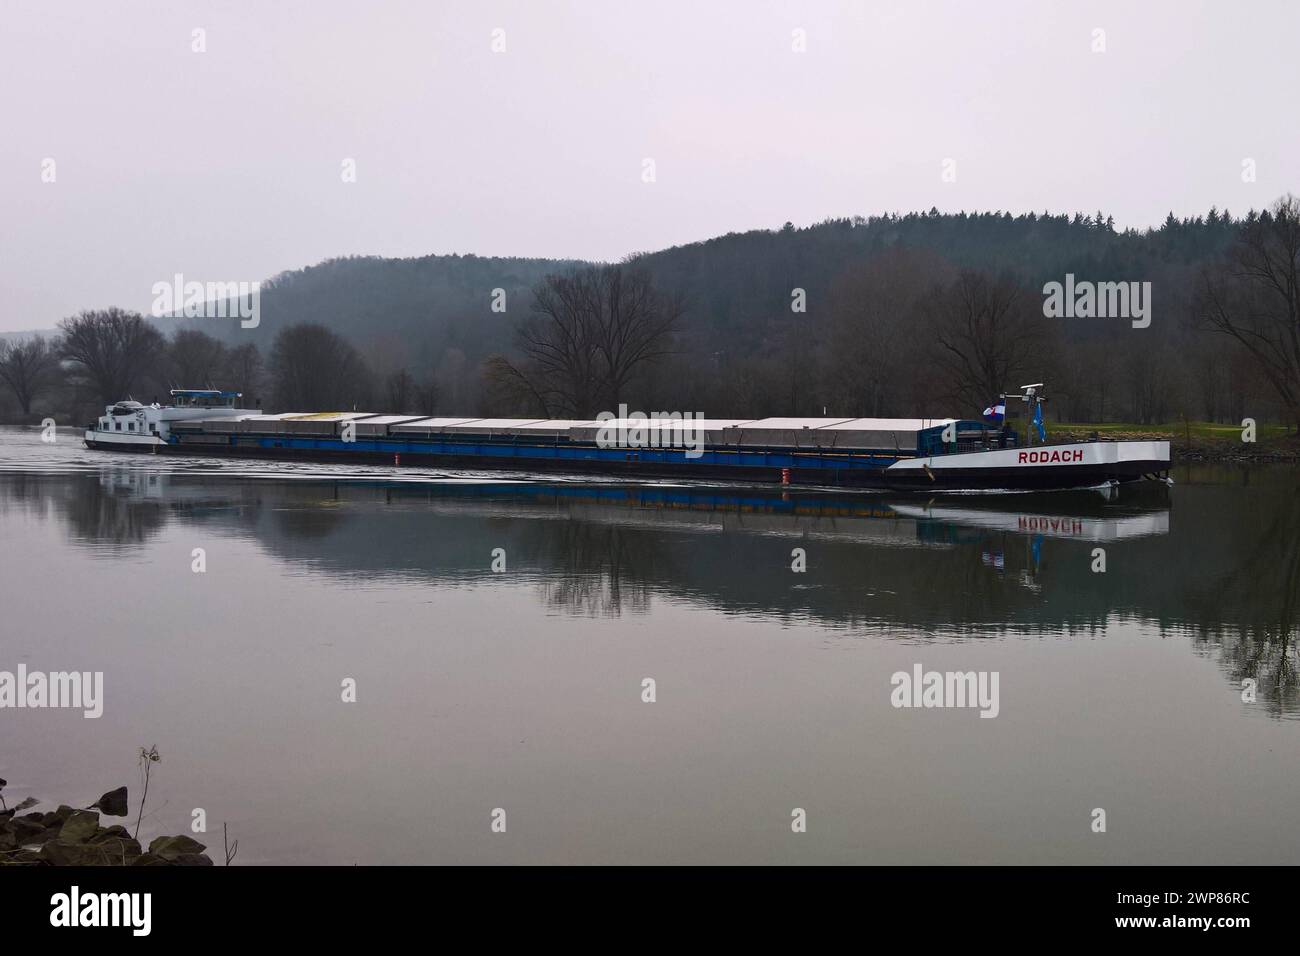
point(731, 280)
point(409, 312)
point(404, 312)
point(740, 345)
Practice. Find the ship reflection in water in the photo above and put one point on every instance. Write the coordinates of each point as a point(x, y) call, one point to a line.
point(960, 566)
point(520, 686)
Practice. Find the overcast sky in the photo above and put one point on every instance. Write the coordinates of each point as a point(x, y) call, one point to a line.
point(227, 164)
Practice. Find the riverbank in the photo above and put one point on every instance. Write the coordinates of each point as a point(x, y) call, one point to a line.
point(67, 836)
point(1193, 441)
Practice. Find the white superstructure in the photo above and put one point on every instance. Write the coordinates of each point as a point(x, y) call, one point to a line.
point(132, 424)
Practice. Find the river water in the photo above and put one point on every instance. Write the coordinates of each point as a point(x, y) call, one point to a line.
point(499, 634)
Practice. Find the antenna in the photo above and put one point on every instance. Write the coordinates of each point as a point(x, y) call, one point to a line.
point(1034, 401)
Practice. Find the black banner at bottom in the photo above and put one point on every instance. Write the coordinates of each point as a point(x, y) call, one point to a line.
point(332, 905)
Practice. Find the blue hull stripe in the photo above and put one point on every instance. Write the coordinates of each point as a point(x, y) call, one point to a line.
point(761, 458)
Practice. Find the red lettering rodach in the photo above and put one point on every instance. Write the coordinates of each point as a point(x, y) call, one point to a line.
point(1053, 457)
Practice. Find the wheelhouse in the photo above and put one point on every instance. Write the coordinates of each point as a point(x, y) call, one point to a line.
point(204, 398)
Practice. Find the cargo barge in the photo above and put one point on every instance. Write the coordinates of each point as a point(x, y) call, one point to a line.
point(923, 455)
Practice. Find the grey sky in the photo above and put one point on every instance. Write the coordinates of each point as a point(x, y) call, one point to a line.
point(226, 165)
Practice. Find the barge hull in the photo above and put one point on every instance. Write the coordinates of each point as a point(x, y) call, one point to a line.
point(956, 472)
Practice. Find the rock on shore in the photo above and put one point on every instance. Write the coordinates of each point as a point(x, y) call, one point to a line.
point(71, 837)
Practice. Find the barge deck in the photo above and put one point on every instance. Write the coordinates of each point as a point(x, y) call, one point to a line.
point(918, 455)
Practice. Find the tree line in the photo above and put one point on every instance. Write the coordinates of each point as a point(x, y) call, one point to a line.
point(922, 314)
point(103, 356)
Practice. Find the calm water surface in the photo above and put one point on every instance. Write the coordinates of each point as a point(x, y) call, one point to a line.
point(522, 689)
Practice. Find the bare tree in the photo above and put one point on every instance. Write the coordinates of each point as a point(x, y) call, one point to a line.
point(28, 368)
point(1254, 298)
point(426, 395)
point(399, 391)
point(988, 334)
point(507, 390)
point(403, 392)
point(243, 370)
point(112, 349)
point(315, 369)
point(448, 384)
point(874, 320)
point(196, 358)
point(589, 334)
point(1146, 381)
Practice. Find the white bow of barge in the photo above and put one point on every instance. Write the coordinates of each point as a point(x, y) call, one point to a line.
point(1080, 464)
point(924, 455)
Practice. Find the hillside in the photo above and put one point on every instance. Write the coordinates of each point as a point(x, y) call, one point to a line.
point(433, 315)
point(863, 344)
point(734, 285)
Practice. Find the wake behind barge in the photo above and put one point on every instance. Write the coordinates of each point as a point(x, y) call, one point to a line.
point(922, 455)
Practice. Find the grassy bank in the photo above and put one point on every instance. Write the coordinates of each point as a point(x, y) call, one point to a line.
point(1192, 441)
